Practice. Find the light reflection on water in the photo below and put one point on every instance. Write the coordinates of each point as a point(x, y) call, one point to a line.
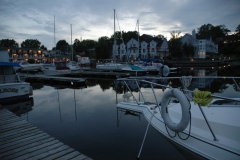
point(87, 120)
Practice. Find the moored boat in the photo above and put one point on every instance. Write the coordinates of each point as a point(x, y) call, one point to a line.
point(59, 68)
point(210, 132)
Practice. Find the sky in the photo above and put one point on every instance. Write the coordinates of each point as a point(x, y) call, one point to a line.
point(92, 19)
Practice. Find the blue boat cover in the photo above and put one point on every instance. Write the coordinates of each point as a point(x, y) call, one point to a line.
point(9, 64)
point(136, 68)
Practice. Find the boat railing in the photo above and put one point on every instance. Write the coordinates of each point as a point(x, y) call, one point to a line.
point(184, 90)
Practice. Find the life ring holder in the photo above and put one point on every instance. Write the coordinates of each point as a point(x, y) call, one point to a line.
point(186, 114)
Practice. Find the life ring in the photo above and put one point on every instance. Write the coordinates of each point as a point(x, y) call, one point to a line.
point(185, 105)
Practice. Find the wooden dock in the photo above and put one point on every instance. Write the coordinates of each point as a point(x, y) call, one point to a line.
point(21, 140)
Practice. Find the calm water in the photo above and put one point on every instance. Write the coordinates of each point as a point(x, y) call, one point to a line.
point(88, 121)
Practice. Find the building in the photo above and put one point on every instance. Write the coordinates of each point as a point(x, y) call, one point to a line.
point(36, 55)
point(203, 46)
point(145, 49)
point(26, 54)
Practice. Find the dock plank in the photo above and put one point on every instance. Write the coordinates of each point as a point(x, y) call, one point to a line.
point(59, 154)
point(21, 140)
point(13, 139)
point(49, 152)
point(70, 155)
point(80, 157)
point(39, 151)
point(31, 148)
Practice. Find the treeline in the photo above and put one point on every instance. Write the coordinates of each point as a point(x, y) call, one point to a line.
point(102, 48)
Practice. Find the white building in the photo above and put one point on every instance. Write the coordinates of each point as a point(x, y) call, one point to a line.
point(203, 46)
point(156, 47)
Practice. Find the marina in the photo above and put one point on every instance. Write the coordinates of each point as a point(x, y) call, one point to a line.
point(80, 118)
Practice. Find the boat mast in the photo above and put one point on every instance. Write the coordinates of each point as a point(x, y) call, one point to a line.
point(114, 39)
point(138, 37)
point(54, 38)
point(71, 42)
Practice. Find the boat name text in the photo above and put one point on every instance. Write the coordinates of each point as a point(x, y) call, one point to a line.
point(8, 90)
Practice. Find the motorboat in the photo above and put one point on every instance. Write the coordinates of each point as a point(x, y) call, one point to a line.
point(83, 62)
point(58, 68)
point(11, 87)
point(203, 123)
point(25, 66)
point(73, 66)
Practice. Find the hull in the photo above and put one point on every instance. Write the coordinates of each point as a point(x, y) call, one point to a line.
point(14, 91)
point(200, 141)
point(111, 66)
point(56, 72)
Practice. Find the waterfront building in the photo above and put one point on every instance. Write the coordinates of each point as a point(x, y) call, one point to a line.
point(145, 49)
point(36, 55)
point(204, 47)
point(26, 54)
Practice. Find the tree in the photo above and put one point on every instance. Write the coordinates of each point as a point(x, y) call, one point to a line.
point(43, 47)
point(188, 49)
point(77, 45)
point(175, 34)
point(103, 48)
point(238, 30)
point(31, 43)
point(175, 45)
point(62, 45)
point(208, 30)
point(5, 43)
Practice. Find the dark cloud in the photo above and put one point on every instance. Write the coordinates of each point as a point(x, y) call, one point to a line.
point(92, 19)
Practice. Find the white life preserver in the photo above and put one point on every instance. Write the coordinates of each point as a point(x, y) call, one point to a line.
point(185, 105)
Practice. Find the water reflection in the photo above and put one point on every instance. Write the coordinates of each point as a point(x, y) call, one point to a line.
point(20, 107)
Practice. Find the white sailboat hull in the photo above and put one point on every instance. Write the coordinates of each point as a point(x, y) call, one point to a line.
point(110, 66)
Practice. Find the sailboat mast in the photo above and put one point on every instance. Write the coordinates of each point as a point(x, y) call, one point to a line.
point(54, 38)
point(71, 42)
point(138, 37)
point(114, 52)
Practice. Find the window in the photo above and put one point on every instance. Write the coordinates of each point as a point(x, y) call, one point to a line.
point(153, 50)
point(144, 50)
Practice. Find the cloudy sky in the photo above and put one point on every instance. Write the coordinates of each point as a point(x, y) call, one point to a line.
point(91, 19)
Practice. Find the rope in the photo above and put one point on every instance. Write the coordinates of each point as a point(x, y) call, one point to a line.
point(186, 81)
point(202, 98)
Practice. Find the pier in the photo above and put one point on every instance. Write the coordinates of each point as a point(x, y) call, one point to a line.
point(21, 140)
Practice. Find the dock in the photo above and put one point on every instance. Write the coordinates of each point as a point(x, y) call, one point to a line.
point(101, 73)
point(21, 140)
point(71, 81)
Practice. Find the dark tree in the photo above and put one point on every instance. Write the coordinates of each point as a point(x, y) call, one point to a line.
point(103, 48)
point(43, 47)
point(208, 30)
point(4, 43)
point(31, 43)
point(175, 45)
point(188, 49)
point(62, 45)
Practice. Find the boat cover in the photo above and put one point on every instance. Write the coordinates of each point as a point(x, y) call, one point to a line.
point(9, 64)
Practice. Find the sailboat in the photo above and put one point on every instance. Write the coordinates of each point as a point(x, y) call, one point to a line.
point(111, 66)
point(56, 67)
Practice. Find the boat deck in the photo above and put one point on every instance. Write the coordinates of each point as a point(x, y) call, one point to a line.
point(21, 140)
